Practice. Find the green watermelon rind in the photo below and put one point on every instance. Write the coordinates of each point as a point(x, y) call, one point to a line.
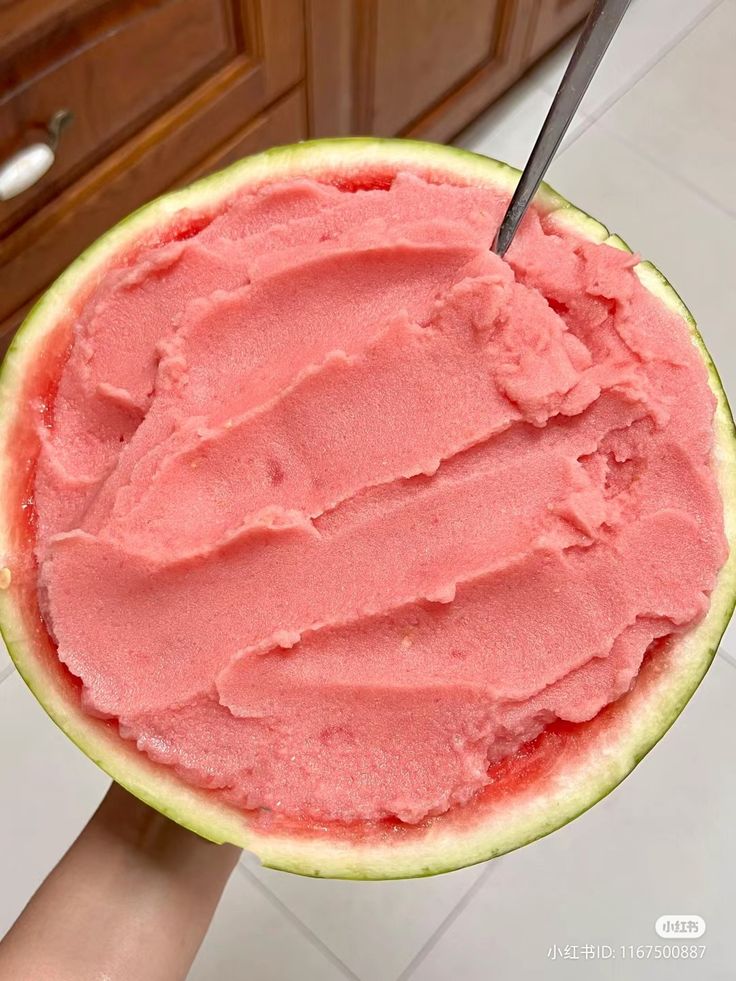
point(611, 753)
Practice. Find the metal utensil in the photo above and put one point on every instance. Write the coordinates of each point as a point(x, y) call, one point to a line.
point(600, 27)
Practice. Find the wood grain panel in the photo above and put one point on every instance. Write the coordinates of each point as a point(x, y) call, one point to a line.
point(285, 123)
point(551, 20)
point(421, 68)
point(503, 65)
point(330, 32)
point(422, 50)
point(280, 26)
point(32, 22)
point(9, 325)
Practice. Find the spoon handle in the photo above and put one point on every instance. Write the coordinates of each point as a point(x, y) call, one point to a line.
point(600, 27)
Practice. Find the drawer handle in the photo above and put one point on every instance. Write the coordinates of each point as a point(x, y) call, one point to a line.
point(26, 167)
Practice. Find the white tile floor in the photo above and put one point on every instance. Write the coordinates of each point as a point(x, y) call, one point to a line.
point(651, 155)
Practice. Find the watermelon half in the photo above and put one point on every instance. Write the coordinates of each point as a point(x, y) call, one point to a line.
point(562, 773)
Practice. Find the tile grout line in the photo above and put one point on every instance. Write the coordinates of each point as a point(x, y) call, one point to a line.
point(663, 52)
point(728, 658)
point(445, 925)
point(696, 189)
point(6, 672)
point(299, 924)
point(592, 117)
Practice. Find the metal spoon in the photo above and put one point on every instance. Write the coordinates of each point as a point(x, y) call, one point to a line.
point(600, 27)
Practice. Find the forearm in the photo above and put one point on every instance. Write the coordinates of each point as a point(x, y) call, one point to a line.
point(132, 898)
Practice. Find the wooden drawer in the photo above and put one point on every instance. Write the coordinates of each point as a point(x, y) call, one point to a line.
point(114, 70)
point(32, 257)
point(177, 88)
point(551, 20)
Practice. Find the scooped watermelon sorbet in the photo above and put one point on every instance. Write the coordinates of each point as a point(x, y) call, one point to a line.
point(336, 512)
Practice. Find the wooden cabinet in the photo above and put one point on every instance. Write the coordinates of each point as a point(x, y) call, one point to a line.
point(422, 68)
point(551, 20)
point(163, 91)
point(418, 68)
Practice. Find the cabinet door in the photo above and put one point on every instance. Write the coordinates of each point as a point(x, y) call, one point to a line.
point(420, 68)
point(113, 70)
point(551, 20)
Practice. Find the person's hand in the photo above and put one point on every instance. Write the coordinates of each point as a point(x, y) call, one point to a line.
point(130, 901)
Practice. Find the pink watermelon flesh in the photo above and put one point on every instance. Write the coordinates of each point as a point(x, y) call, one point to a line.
point(625, 463)
point(349, 521)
